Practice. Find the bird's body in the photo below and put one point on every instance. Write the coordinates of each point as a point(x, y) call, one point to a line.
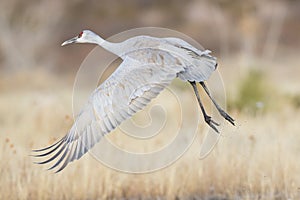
point(149, 65)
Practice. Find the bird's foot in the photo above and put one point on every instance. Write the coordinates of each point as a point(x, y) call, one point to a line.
point(211, 123)
point(227, 117)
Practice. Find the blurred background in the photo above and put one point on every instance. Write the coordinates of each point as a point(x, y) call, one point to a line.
point(257, 44)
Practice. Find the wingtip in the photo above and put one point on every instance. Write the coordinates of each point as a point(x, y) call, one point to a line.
point(37, 163)
point(48, 147)
point(59, 170)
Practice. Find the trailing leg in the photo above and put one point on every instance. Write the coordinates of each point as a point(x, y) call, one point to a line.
point(221, 111)
point(207, 118)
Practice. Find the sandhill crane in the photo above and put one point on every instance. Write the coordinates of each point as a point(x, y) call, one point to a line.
point(149, 65)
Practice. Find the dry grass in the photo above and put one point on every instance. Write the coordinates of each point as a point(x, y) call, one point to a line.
point(259, 159)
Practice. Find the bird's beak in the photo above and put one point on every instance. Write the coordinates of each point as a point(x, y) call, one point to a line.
point(70, 41)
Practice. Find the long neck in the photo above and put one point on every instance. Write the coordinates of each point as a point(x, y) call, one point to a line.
point(109, 46)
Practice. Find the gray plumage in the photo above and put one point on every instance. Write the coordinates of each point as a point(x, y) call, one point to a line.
point(149, 65)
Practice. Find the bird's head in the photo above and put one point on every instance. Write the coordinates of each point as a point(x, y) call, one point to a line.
point(85, 36)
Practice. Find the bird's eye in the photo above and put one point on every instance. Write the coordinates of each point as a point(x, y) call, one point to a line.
point(80, 34)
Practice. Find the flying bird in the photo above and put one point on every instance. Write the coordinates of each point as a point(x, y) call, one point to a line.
point(149, 65)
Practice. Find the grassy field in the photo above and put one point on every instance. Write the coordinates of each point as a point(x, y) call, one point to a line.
point(257, 159)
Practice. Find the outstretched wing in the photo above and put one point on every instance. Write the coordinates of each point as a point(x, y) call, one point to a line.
point(129, 89)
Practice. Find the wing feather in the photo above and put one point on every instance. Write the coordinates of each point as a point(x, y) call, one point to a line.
point(200, 64)
point(129, 89)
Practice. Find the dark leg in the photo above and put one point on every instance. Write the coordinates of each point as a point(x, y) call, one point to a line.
point(207, 118)
point(221, 111)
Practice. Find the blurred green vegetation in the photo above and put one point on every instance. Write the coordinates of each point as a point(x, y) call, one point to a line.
point(252, 92)
point(295, 99)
